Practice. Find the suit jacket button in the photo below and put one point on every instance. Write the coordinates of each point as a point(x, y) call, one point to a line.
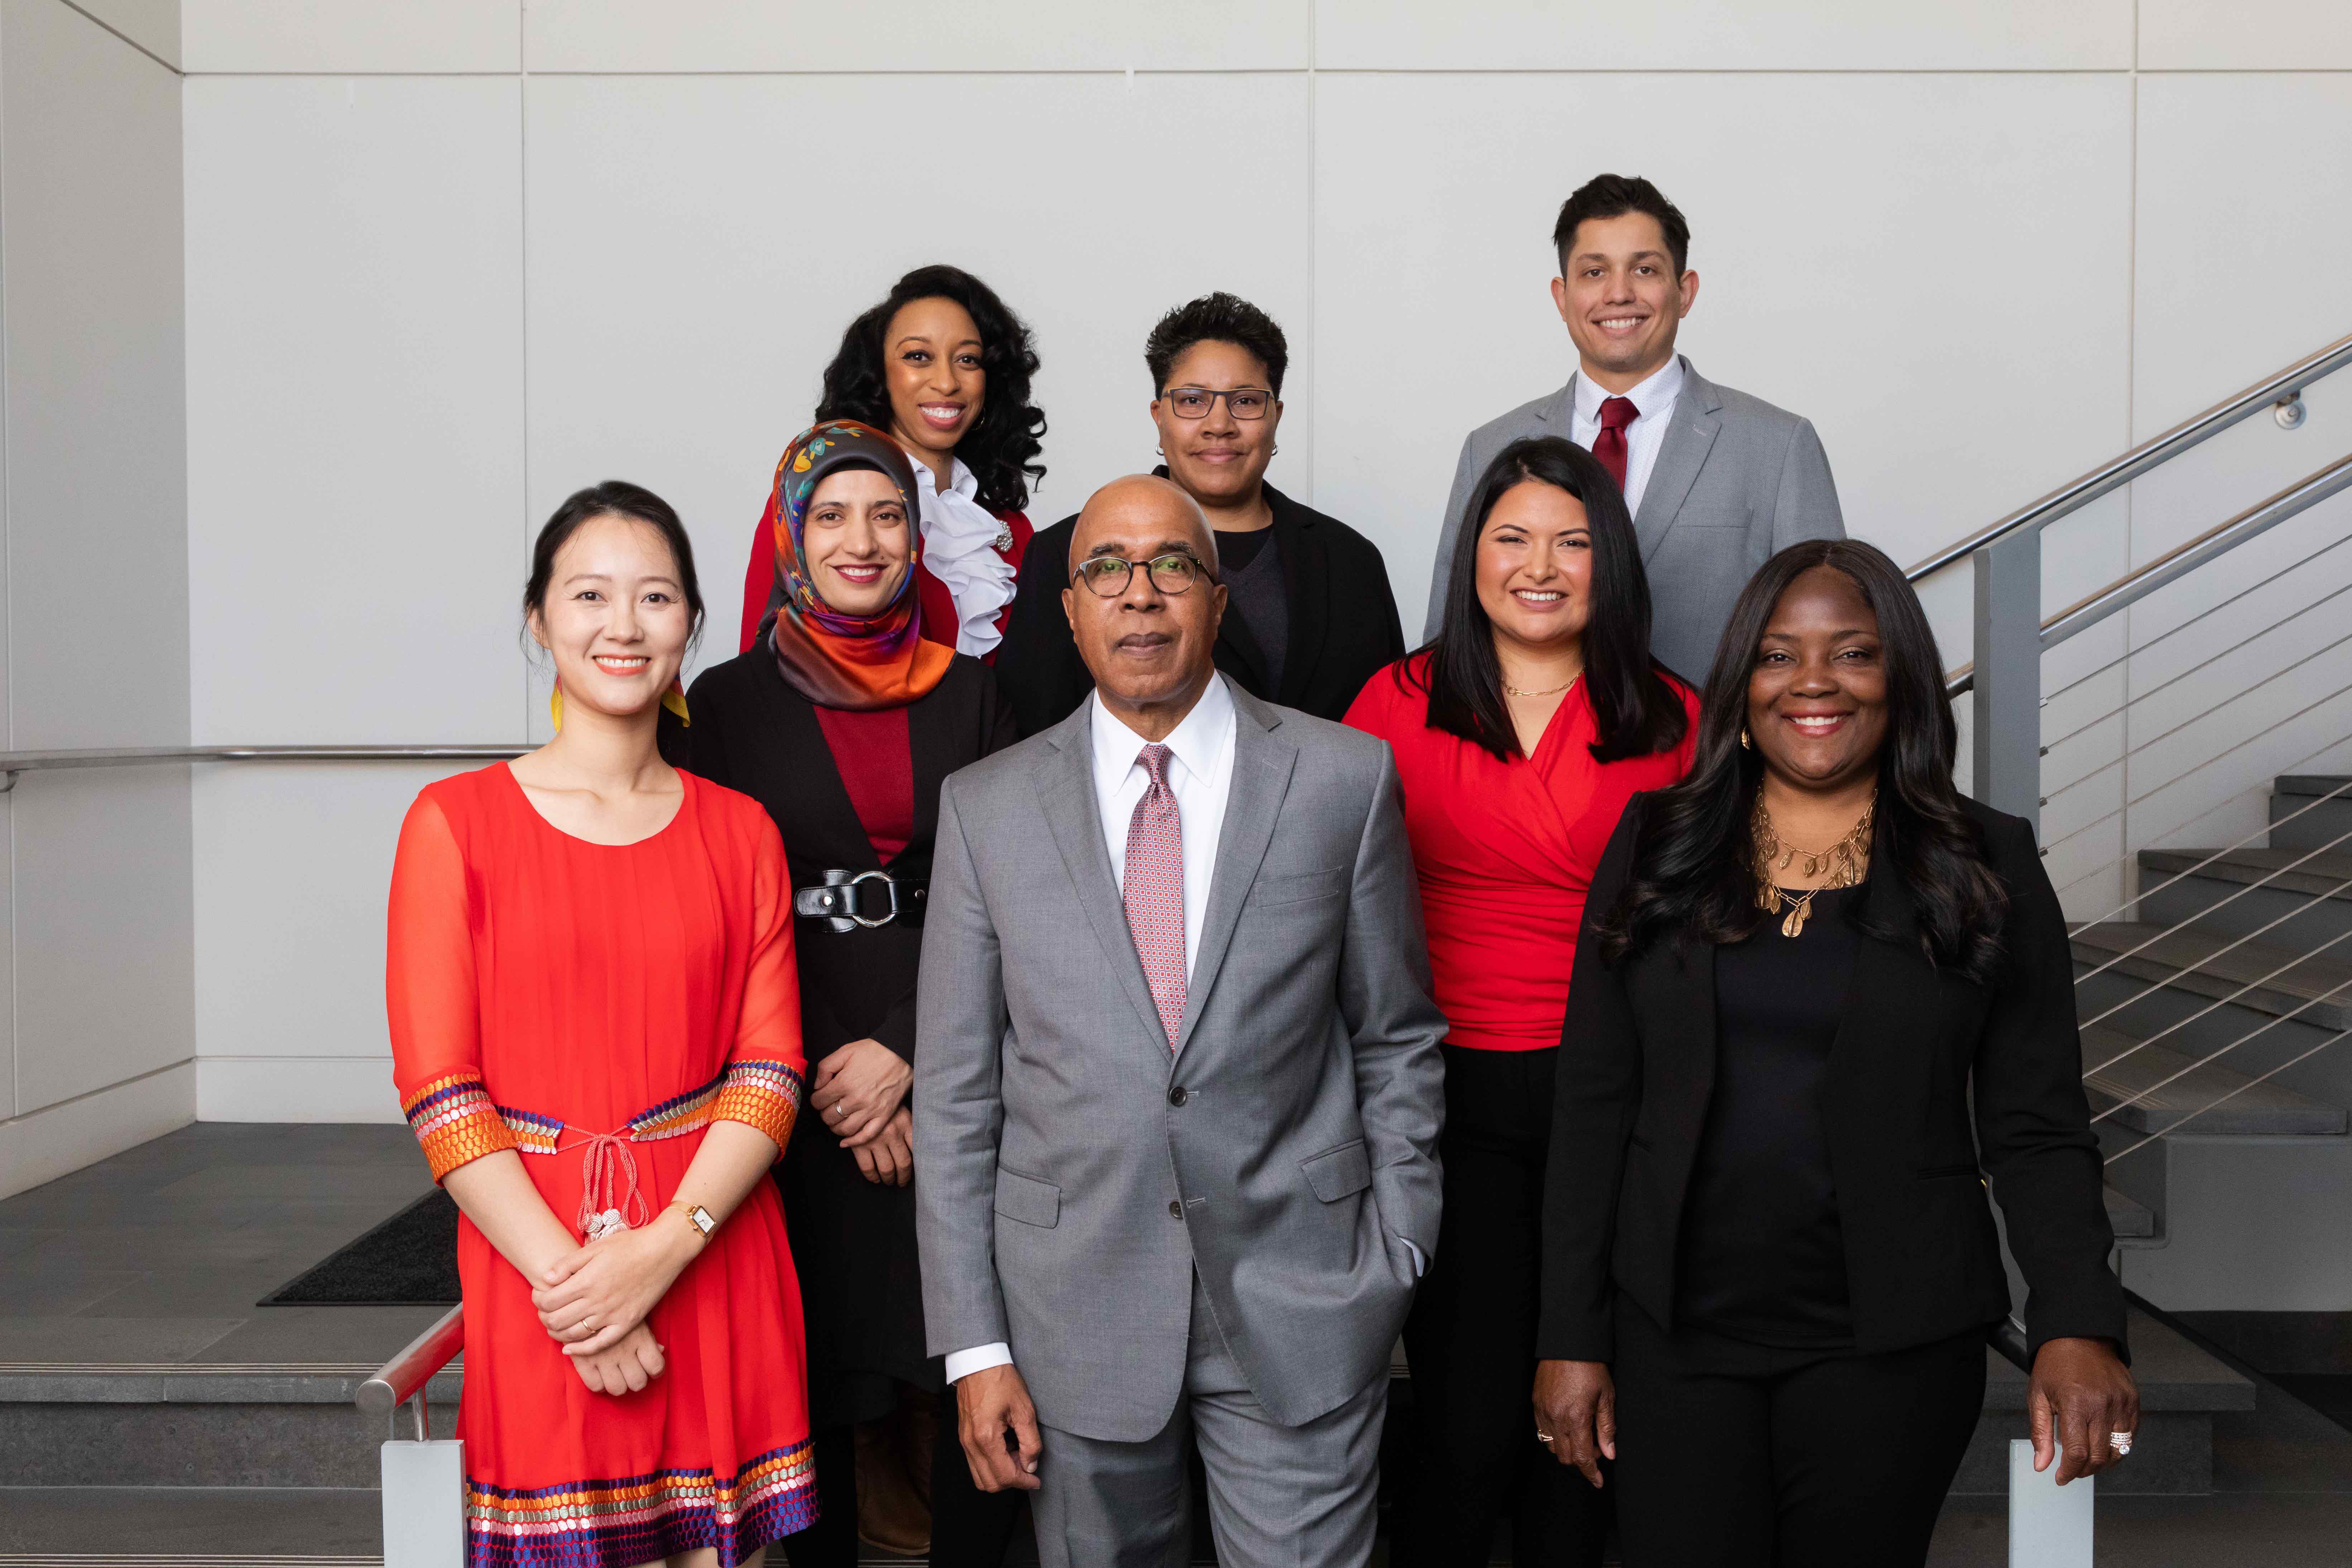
point(1177, 1096)
point(1175, 1211)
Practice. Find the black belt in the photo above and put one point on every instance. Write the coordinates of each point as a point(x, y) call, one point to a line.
point(847, 900)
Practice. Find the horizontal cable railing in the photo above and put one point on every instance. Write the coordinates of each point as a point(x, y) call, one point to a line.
point(15, 762)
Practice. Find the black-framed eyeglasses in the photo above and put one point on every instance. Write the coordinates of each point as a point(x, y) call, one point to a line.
point(1171, 572)
point(1195, 402)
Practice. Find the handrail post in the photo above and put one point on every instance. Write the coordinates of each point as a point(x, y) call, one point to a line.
point(2008, 710)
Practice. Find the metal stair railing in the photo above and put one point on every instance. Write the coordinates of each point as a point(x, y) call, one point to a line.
point(424, 1479)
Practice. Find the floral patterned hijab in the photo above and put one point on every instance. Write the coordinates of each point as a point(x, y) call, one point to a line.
point(836, 660)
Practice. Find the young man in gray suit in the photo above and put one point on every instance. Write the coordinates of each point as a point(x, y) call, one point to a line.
point(1717, 481)
point(1177, 1087)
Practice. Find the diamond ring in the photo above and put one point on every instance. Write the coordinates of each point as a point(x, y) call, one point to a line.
point(2121, 1442)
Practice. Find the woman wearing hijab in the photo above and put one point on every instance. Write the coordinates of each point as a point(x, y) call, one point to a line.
point(944, 367)
point(842, 723)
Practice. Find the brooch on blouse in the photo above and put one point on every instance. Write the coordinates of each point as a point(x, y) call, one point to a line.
point(1004, 540)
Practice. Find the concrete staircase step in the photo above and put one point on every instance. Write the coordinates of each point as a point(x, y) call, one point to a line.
point(2121, 1068)
point(2311, 810)
point(2315, 989)
point(2130, 1220)
point(2318, 874)
point(190, 1527)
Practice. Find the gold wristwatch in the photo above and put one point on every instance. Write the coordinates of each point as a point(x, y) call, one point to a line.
point(699, 1218)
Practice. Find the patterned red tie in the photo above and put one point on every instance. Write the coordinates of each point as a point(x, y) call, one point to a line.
point(1609, 441)
point(1154, 893)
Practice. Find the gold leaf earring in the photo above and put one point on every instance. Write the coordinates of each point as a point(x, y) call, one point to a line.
point(1744, 744)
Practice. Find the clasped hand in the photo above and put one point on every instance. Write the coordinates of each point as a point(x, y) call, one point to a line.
point(595, 1295)
point(857, 1090)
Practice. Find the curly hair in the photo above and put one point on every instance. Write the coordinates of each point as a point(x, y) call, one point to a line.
point(1002, 446)
point(1216, 318)
point(1692, 873)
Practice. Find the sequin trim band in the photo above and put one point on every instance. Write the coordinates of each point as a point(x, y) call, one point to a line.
point(533, 1133)
point(765, 1094)
point(642, 1518)
point(675, 1117)
point(456, 1122)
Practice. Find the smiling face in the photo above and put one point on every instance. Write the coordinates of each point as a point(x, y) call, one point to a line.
point(1146, 648)
point(1817, 694)
point(1534, 567)
point(1621, 298)
point(1218, 459)
point(614, 617)
point(856, 536)
point(930, 353)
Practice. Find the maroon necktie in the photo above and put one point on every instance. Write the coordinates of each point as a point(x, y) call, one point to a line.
point(1153, 890)
point(1609, 441)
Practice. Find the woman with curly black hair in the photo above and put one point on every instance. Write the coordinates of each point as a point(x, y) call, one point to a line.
point(1817, 993)
point(944, 367)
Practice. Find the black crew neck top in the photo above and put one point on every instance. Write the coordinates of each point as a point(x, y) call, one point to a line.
point(1763, 1256)
point(1251, 571)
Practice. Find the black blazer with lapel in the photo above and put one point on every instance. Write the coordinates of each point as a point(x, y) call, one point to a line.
point(853, 1240)
point(1636, 1071)
point(1343, 623)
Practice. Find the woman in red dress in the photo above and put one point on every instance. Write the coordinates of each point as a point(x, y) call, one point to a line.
point(943, 368)
point(1521, 733)
point(595, 1031)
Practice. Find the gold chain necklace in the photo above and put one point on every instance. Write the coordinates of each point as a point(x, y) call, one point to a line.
point(1553, 691)
point(1847, 860)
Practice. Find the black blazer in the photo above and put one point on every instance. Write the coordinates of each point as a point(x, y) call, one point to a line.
point(853, 1240)
point(1637, 1067)
point(1343, 623)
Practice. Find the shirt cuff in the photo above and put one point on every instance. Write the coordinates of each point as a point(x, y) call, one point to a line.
point(979, 1358)
point(1419, 1264)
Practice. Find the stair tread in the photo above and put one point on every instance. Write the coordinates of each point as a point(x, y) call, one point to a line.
point(2131, 1069)
point(2315, 988)
point(320, 1525)
point(2128, 1217)
point(2310, 784)
point(2324, 874)
point(2172, 1372)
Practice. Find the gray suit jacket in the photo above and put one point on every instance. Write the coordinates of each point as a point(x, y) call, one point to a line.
point(1073, 1175)
point(1736, 482)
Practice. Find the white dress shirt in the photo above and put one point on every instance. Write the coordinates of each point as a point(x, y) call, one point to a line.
point(959, 546)
point(1655, 402)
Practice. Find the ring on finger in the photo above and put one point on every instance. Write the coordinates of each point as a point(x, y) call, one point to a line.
point(2121, 1442)
point(1542, 1435)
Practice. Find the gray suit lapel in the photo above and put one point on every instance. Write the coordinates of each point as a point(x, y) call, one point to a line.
point(1066, 790)
point(1263, 760)
point(1689, 434)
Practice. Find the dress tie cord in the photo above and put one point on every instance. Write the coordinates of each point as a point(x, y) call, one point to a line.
point(605, 1164)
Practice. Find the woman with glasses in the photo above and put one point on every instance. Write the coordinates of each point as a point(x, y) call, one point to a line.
point(944, 367)
point(841, 724)
point(1311, 615)
point(1519, 732)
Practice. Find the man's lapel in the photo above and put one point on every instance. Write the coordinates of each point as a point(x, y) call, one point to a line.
point(1690, 436)
point(1262, 760)
point(1066, 790)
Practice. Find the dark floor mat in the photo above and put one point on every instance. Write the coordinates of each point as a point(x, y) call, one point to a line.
point(409, 1260)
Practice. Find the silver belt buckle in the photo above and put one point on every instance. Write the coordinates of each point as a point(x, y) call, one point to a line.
point(837, 900)
point(888, 881)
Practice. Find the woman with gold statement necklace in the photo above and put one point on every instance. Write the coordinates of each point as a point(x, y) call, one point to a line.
point(1820, 1004)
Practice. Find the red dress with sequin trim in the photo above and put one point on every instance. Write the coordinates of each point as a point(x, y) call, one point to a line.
point(544, 990)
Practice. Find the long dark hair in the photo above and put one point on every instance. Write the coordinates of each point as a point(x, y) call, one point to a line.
point(1636, 709)
point(618, 498)
point(1692, 866)
point(1002, 446)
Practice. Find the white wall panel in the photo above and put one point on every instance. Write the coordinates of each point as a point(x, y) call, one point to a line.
point(348, 37)
point(692, 265)
point(294, 863)
point(95, 427)
point(355, 462)
point(2246, 35)
point(152, 24)
point(915, 35)
point(1854, 235)
point(104, 959)
point(1722, 34)
point(49, 1144)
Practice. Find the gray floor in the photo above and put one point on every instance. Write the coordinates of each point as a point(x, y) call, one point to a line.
point(159, 1255)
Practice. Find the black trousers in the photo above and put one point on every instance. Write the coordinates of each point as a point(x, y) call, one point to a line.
point(1471, 1339)
point(969, 1527)
point(1736, 1456)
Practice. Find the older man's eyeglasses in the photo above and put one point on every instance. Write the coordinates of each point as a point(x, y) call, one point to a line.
point(1195, 402)
point(1172, 573)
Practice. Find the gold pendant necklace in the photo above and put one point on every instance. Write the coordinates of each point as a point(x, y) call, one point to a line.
point(1847, 861)
point(1516, 692)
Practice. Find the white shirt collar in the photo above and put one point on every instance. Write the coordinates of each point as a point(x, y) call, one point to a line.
point(1202, 743)
point(1658, 391)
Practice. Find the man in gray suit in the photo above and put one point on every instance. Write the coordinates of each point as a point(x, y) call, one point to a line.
point(1177, 1087)
point(1717, 481)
